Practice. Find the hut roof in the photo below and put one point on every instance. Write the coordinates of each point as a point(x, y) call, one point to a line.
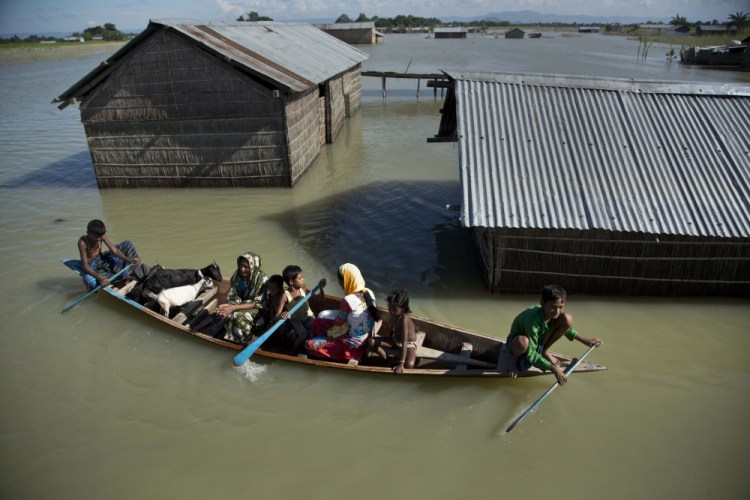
point(449, 29)
point(278, 53)
point(346, 26)
point(558, 152)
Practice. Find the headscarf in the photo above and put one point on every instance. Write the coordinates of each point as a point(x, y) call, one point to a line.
point(253, 286)
point(353, 280)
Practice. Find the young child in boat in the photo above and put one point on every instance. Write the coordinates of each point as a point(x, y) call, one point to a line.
point(397, 330)
point(300, 323)
point(98, 266)
point(536, 329)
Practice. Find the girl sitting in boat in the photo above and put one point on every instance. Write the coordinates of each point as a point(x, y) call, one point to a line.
point(397, 330)
point(357, 311)
point(247, 289)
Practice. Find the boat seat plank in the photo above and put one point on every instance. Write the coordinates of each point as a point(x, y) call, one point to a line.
point(129, 286)
point(202, 315)
point(466, 349)
point(395, 351)
point(191, 306)
point(426, 352)
point(212, 306)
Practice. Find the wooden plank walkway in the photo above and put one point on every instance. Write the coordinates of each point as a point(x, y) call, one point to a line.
point(434, 80)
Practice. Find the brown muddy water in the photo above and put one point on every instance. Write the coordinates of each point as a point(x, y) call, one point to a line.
point(98, 403)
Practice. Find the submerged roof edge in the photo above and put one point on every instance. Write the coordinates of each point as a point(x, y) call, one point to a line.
point(600, 83)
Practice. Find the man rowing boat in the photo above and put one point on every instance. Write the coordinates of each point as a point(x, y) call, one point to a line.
point(536, 329)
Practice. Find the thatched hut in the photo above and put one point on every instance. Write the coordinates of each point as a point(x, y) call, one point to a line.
point(515, 33)
point(603, 185)
point(216, 104)
point(450, 32)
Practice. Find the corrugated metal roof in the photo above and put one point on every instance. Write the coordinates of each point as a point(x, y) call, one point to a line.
point(297, 56)
point(291, 56)
point(563, 152)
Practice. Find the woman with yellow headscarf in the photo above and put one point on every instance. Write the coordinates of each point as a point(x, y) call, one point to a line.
point(357, 311)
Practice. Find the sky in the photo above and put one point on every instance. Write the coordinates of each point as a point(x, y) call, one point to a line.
point(68, 16)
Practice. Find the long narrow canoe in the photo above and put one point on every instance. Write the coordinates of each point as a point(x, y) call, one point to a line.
point(444, 350)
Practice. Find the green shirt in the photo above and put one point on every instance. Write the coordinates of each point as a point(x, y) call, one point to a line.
point(531, 324)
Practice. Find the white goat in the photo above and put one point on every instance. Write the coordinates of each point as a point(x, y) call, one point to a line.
point(181, 295)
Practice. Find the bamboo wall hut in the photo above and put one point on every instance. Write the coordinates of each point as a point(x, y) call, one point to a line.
point(451, 32)
point(515, 33)
point(353, 33)
point(603, 185)
point(216, 104)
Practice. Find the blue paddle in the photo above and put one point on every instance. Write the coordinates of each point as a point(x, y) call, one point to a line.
point(92, 292)
point(248, 351)
point(549, 391)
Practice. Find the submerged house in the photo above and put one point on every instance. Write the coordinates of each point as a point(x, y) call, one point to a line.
point(216, 104)
point(450, 32)
point(353, 33)
point(603, 185)
point(515, 33)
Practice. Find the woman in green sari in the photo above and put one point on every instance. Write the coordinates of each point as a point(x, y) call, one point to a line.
point(245, 299)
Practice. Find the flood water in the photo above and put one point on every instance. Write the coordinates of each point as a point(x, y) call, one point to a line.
point(98, 403)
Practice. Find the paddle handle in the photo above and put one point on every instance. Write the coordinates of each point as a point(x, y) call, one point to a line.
point(248, 351)
point(92, 292)
point(533, 407)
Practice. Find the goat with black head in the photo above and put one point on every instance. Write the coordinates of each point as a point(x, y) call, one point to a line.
point(159, 279)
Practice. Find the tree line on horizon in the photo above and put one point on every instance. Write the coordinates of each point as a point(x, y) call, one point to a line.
point(108, 32)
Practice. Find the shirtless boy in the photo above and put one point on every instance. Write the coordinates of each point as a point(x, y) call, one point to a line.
point(98, 266)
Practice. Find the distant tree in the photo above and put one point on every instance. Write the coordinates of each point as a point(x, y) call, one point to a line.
point(108, 32)
point(343, 18)
point(254, 17)
point(739, 19)
point(362, 18)
point(679, 20)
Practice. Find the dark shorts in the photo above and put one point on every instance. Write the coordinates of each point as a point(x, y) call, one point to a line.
point(523, 363)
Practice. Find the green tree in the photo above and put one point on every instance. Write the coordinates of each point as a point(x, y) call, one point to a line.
point(362, 18)
point(679, 20)
point(739, 19)
point(108, 32)
point(343, 18)
point(254, 17)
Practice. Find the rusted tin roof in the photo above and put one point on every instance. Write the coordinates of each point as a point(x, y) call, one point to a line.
point(291, 56)
point(582, 153)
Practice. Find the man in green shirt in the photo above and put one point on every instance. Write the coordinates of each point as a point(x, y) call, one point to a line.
point(537, 328)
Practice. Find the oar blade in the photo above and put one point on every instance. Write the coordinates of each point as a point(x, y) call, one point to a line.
point(538, 402)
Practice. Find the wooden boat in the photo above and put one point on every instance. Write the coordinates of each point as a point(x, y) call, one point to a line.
point(444, 350)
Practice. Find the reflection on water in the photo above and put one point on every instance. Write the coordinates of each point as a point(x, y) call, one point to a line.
point(76, 171)
point(399, 233)
point(99, 403)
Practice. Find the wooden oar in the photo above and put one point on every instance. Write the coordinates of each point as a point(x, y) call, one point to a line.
point(92, 292)
point(248, 351)
point(533, 407)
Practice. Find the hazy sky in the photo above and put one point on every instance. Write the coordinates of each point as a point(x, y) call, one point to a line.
point(39, 16)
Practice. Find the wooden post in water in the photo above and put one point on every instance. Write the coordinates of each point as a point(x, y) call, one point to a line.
point(384, 86)
point(418, 82)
